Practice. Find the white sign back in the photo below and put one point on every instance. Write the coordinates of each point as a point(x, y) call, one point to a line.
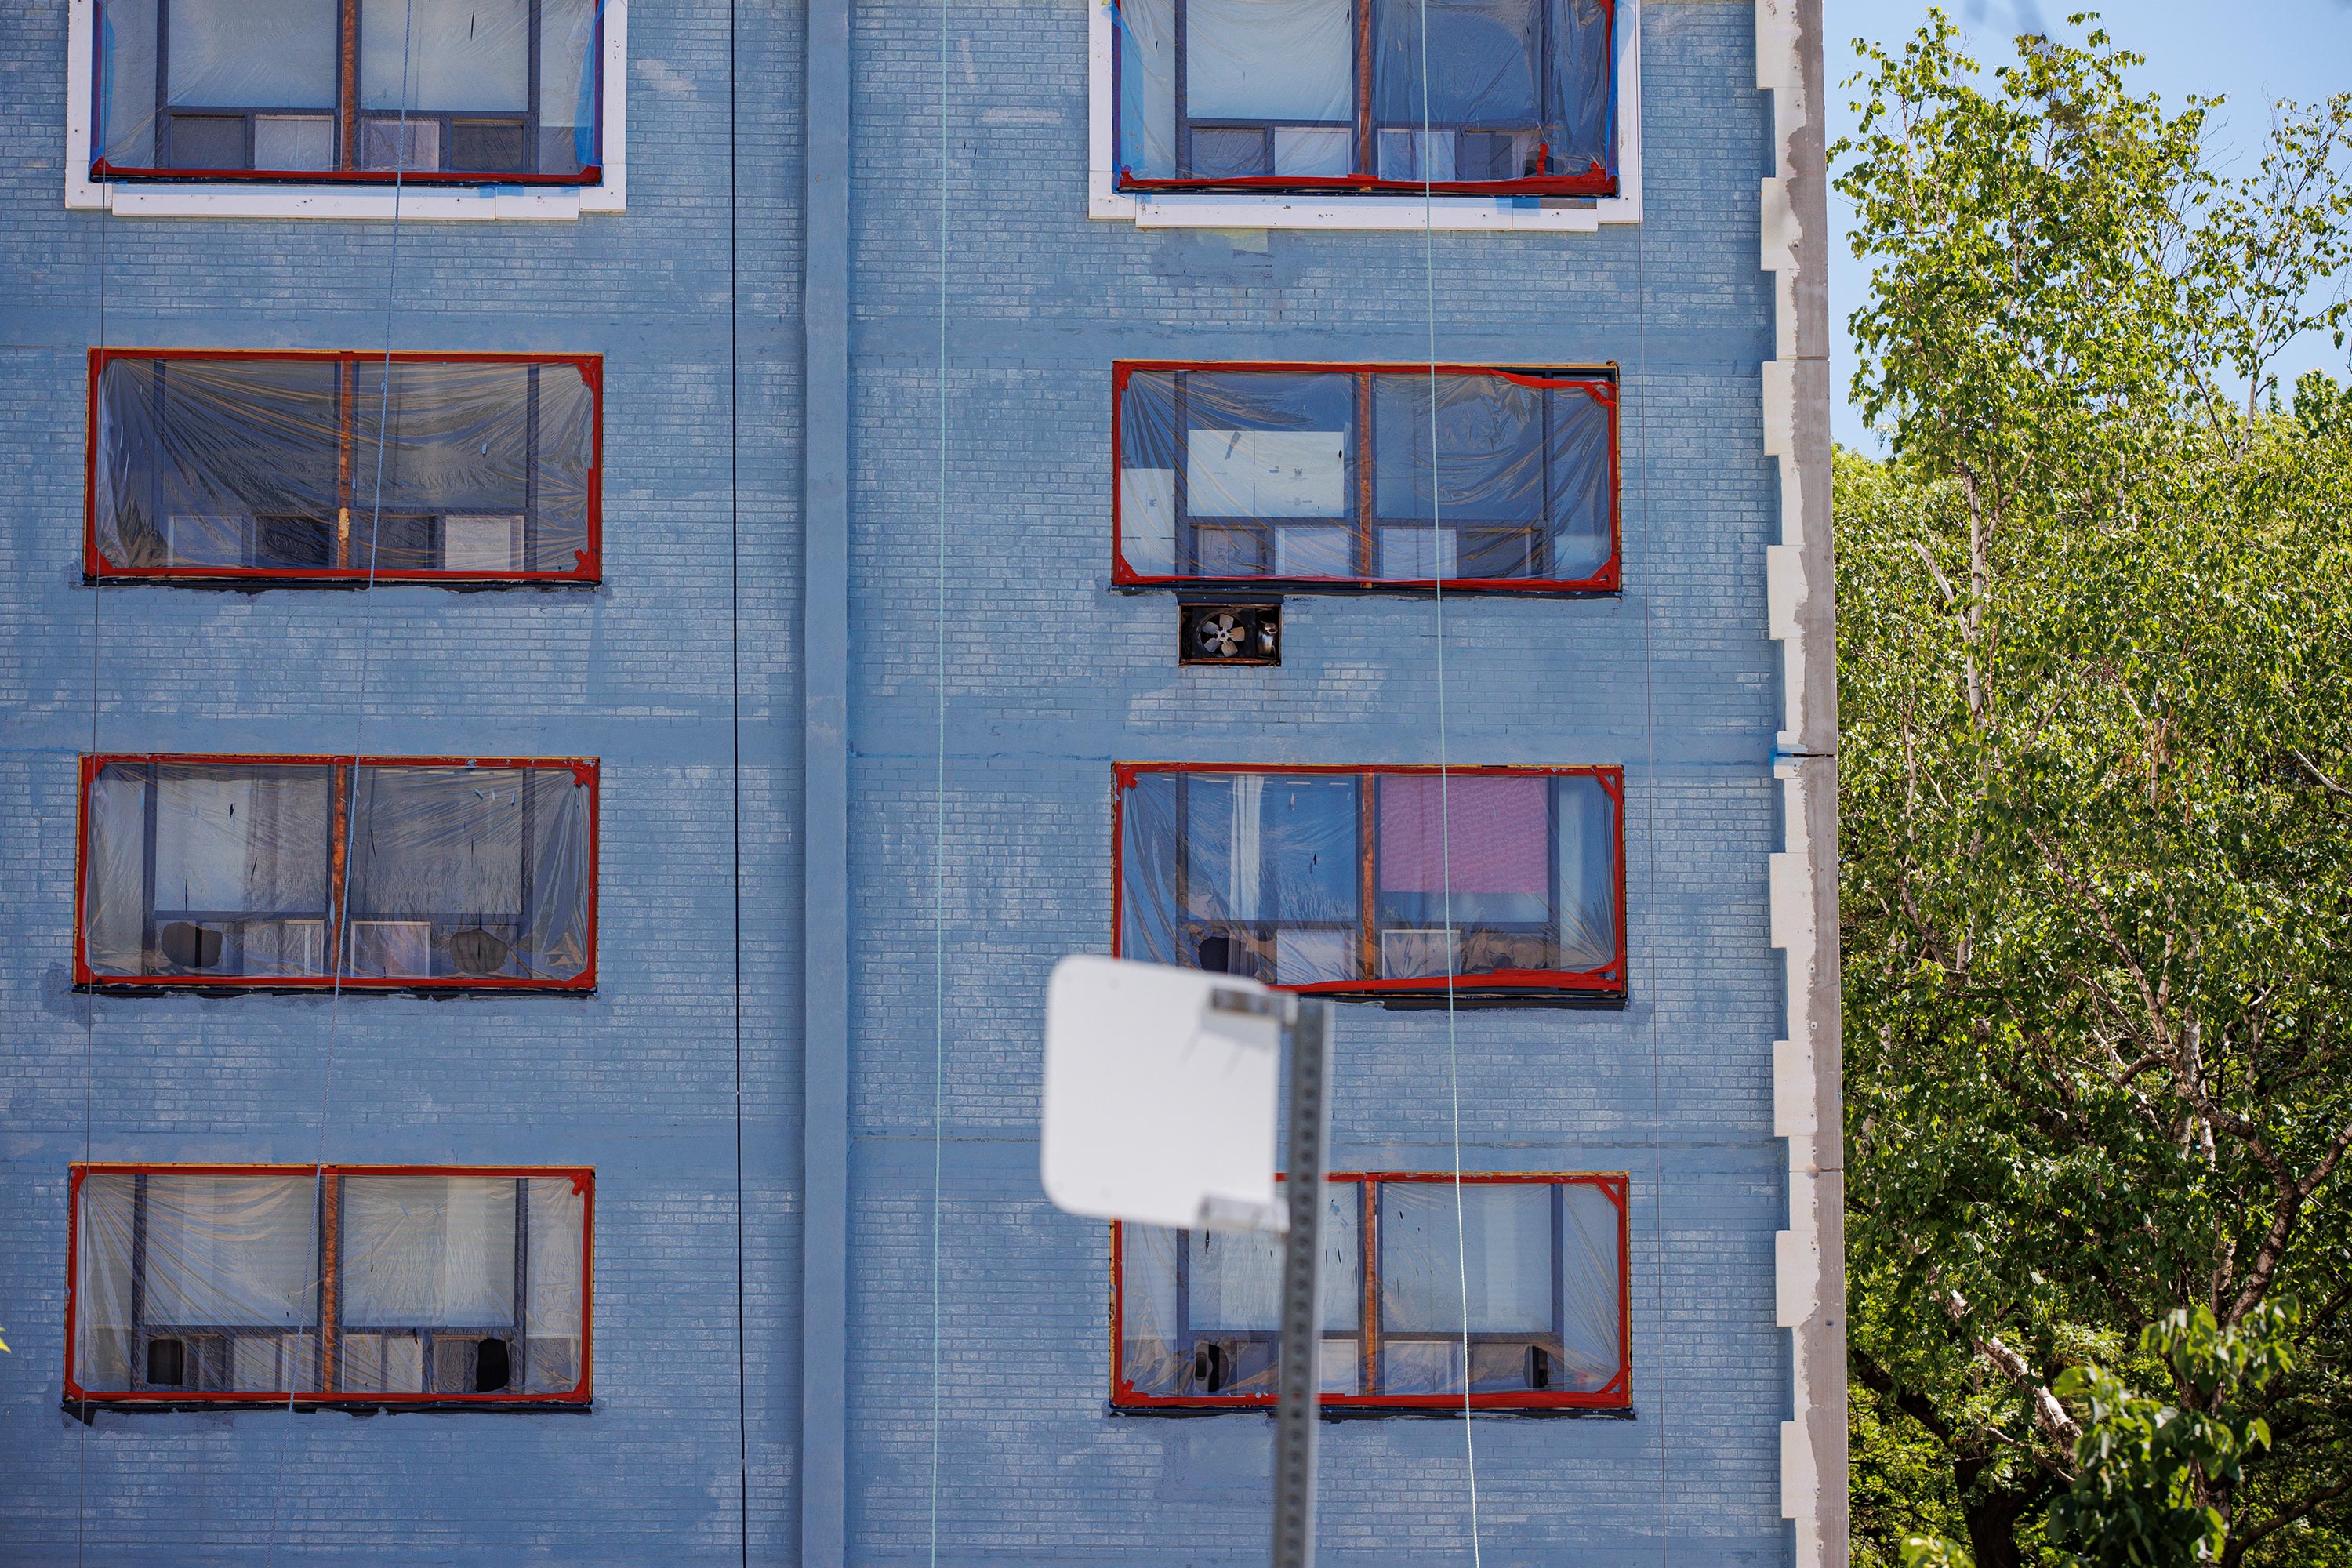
point(1161, 1095)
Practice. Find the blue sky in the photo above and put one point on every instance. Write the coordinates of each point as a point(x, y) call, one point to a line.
point(2252, 53)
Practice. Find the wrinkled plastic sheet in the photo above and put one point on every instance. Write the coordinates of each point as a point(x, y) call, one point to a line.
point(440, 89)
point(226, 872)
point(210, 1285)
point(1500, 96)
point(1500, 478)
point(1538, 1262)
point(1374, 881)
point(316, 467)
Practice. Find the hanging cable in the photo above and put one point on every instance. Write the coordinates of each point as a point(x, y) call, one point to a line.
point(339, 888)
point(735, 794)
point(90, 998)
point(1445, 803)
point(940, 801)
point(1650, 758)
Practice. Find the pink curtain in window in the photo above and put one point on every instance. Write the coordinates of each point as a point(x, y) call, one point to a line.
point(1499, 829)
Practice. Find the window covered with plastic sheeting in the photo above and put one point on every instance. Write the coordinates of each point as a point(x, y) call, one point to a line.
point(1482, 97)
point(1365, 475)
point(266, 466)
point(422, 91)
point(1389, 884)
point(312, 872)
point(357, 1284)
point(1538, 1261)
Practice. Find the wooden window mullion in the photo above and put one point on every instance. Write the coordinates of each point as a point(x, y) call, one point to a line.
point(1558, 1262)
point(1183, 126)
point(346, 394)
point(1183, 1324)
point(1366, 160)
point(1368, 1269)
point(347, 86)
point(1188, 548)
point(515, 1374)
point(338, 866)
point(1368, 920)
point(530, 94)
point(163, 154)
point(1544, 524)
point(530, 562)
point(138, 1275)
point(157, 519)
point(331, 1256)
point(149, 825)
point(1367, 540)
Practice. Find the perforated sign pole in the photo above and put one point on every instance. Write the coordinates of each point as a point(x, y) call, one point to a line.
point(1298, 1373)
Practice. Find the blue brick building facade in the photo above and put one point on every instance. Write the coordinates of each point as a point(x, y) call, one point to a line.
point(805, 944)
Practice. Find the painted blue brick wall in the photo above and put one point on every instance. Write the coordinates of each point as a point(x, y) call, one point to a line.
point(681, 675)
point(1051, 678)
point(640, 1080)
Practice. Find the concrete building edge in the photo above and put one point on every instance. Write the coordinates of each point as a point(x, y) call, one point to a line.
point(1806, 1077)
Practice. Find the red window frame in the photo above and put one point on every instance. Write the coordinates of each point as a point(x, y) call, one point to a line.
point(1600, 383)
point(584, 1182)
point(1604, 984)
point(1617, 1395)
point(1594, 182)
point(589, 569)
point(584, 771)
point(347, 114)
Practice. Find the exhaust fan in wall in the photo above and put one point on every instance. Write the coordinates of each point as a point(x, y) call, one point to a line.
point(1229, 633)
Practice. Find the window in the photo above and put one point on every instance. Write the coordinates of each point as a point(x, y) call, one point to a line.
point(1502, 97)
point(1197, 1320)
point(1365, 475)
point(354, 1284)
point(1388, 884)
point(428, 91)
point(434, 873)
point(317, 467)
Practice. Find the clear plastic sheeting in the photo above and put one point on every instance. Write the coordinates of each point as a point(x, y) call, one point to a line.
point(191, 1284)
point(1498, 96)
point(239, 872)
point(303, 467)
point(1540, 1260)
point(1378, 883)
point(421, 90)
point(1372, 477)
point(1201, 1311)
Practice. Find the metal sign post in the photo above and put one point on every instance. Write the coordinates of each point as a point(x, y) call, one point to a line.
point(1298, 1373)
point(1116, 1144)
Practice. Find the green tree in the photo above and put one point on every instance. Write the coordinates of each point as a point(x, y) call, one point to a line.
point(2096, 683)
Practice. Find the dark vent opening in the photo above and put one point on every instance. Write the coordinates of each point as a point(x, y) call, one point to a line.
point(492, 1371)
point(167, 1363)
point(187, 945)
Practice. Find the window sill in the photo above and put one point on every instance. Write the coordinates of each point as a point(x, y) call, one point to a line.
point(481, 201)
point(258, 581)
point(180, 986)
point(1222, 588)
point(1444, 215)
point(85, 1408)
point(1449, 1410)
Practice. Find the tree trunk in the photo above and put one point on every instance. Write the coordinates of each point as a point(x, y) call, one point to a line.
point(1992, 1526)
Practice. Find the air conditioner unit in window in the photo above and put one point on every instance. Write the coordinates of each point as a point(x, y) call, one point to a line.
point(208, 538)
point(482, 543)
point(392, 950)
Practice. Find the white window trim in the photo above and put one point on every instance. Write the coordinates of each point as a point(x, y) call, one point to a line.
point(1451, 214)
point(412, 203)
